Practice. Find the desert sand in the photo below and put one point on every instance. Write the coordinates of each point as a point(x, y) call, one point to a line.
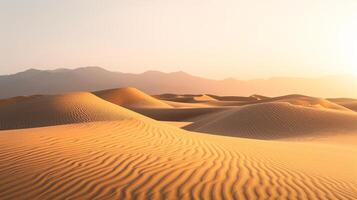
point(348, 103)
point(68, 108)
point(80, 146)
point(277, 121)
point(130, 97)
point(302, 100)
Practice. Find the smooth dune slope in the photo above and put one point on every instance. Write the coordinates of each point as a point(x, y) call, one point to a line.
point(186, 98)
point(179, 114)
point(348, 103)
point(295, 99)
point(277, 121)
point(259, 97)
point(186, 105)
point(17, 99)
point(131, 98)
point(233, 98)
point(302, 100)
point(203, 98)
point(134, 159)
point(186, 101)
point(60, 109)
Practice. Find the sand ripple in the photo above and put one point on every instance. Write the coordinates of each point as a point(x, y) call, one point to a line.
point(134, 159)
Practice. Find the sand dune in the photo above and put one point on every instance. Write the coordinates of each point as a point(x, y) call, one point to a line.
point(17, 99)
point(130, 97)
point(186, 98)
point(179, 114)
point(187, 101)
point(60, 109)
point(295, 99)
point(234, 98)
point(179, 98)
point(203, 98)
point(253, 97)
point(277, 121)
point(348, 103)
point(187, 105)
point(132, 159)
point(302, 100)
point(259, 97)
point(214, 101)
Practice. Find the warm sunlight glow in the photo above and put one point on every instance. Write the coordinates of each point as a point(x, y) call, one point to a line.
point(348, 39)
point(215, 39)
point(178, 99)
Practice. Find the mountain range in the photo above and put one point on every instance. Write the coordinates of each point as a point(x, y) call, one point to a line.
point(34, 81)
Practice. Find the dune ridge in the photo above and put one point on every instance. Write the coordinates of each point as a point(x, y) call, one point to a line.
point(234, 98)
point(203, 98)
point(179, 114)
point(302, 100)
point(60, 109)
point(16, 99)
point(276, 121)
point(133, 159)
point(345, 102)
point(294, 99)
point(176, 104)
point(186, 98)
point(130, 97)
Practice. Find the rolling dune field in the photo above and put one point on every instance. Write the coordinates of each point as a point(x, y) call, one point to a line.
point(178, 100)
point(87, 146)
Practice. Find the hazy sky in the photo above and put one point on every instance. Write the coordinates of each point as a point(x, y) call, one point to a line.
point(212, 38)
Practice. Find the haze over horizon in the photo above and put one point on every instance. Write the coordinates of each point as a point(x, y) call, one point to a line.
point(32, 82)
point(213, 39)
point(181, 71)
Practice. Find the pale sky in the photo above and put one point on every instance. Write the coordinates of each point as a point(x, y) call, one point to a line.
point(211, 38)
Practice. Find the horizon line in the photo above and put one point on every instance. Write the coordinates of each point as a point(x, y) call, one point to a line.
point(183, 72)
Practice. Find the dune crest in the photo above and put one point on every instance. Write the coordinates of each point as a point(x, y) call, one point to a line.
point(130, 97)
point(215, 100)
point(306, 101)
point(203, 98)
point(234, 98)
point(348, 103)
point(17, 99)
point(60, 109)
point(276, 121)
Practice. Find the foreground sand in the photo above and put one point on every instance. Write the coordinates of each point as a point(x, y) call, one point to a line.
point(136, 159)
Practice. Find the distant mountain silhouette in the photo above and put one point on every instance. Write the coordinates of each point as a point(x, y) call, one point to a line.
point(35, 81)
